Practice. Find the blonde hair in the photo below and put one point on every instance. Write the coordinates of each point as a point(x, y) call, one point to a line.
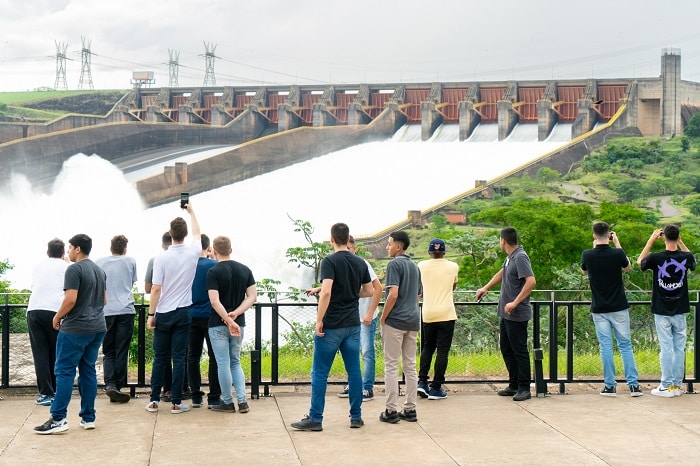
point(222, 245)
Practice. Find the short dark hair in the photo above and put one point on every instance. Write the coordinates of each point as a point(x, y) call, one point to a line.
point(178, 229)
point(601, 229)
point(167, 239)
point(340, 233)
point(401, 237)
point(56, 248)
point(206, 242)
point(118, 245)
point(351, 239)
point(510, 236)
point(672, 232)
point(82, 241)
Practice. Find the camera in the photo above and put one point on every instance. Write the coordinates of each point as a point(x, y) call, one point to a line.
point(610, 237)
point(661, 233)
point(184, 200)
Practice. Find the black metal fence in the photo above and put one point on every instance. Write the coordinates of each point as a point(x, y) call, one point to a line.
point(278, 343)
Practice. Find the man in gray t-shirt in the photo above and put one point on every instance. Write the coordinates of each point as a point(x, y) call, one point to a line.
point(119, 317)
point(400, 323)
point(81, 324)
point(517, 282)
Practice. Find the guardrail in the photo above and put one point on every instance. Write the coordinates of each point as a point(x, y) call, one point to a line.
point(552, 333)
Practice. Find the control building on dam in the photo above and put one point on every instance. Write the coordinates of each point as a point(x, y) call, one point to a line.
point(266, 128)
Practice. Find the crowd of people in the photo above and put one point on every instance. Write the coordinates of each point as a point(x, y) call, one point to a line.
point(199, 294)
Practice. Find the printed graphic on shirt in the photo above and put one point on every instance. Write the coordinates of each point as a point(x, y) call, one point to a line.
point(671, 274)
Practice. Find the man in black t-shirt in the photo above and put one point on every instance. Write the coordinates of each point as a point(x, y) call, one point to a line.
point(669, 304)
point(609, 307)
point(344, 279)
point(231, 289)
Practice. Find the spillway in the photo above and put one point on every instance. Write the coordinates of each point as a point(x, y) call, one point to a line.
point(368, 186)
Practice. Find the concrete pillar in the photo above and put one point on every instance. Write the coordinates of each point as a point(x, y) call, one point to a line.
point(586, 118)
point(357, 115)
point(186, 116)
point(429, 121)
point(507, 118)
point(468, 119)
point(416, 219)
point(120, 114)
point(181, 172)
point(287, 119)
point(546, 119)
point(322, 117)
point(219, 116)
point(154, 115)
point(671, 122)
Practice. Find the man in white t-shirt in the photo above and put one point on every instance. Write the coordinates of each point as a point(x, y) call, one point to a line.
point(47, 296)
point(169, 314)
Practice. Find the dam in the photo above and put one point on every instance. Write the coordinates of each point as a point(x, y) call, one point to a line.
point(268, 128)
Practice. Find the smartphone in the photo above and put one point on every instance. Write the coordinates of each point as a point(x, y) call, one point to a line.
point(184, 200)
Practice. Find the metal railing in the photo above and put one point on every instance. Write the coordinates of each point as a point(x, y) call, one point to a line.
point(272, 324)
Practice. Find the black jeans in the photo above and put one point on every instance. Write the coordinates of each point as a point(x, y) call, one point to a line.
point(515, 353)
point(199, 332)
point(42, 338)
point(115, 349)
point(435, 336)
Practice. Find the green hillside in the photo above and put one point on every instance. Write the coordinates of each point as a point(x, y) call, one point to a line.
point(43, 106)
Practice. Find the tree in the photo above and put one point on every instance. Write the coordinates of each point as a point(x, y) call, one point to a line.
point(477, 251)
point(310, 255)
point(685, 144)
point(693, 128)
point(546, 175)
point(4, 284)
point(437, 223)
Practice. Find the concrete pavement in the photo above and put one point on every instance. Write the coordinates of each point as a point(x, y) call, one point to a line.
point(472, 426)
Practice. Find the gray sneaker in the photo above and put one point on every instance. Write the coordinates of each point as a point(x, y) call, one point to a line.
point(224, 407)
point(243, 407)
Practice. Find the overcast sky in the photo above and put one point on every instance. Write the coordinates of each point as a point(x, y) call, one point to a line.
point(327, 41)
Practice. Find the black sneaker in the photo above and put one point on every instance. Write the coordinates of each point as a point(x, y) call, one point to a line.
point(212, 403)
point(522, 395)
point(423, 389)
point(367, 395)
point(356, 423)
point(508, 391)
point(345, 393)
point(115, 396)
point(243, 407)
point(224, 407)
point(608, 391)
point(391, 418)
point(52, 427)
point(409, 416)
point(196, 401)
point(308, 424)
point(186, 394)
point(635, 390)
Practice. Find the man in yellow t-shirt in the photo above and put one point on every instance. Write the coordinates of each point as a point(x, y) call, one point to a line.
point(439, 279)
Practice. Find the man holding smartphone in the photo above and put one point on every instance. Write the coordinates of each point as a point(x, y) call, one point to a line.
point(604, 266)
point(169, 315)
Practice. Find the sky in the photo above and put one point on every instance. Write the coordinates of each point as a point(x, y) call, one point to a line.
point(330, 42)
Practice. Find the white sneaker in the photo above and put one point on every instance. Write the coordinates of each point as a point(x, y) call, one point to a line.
point(663, 391)
point(181, 408)
point(152, 407)
point(675, 390)
point(87, 425)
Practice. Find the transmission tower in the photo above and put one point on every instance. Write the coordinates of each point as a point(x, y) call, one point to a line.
point(173, 66)
point(85, 72)
point(209, 57)
point(61, 83)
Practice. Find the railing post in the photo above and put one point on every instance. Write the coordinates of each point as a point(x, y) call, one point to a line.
point(255, 356)
point(6, 343)
point(141, 347)
point(540, 385)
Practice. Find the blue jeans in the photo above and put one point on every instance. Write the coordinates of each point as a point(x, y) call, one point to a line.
point(347, 340)
point(227, 351)
point(367, 333)
point(672, 336)
point(76, 351)
point(170, 340)
point(619, 323)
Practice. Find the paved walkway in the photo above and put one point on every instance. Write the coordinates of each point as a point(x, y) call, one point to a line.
point(472, 426)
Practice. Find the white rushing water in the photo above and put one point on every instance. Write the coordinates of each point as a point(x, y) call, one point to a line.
point(369, 187)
